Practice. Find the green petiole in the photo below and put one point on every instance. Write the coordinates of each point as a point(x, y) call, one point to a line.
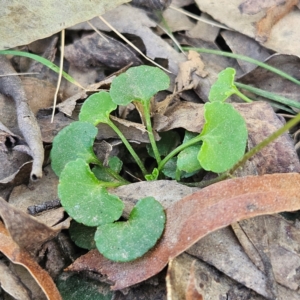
point(128, 146)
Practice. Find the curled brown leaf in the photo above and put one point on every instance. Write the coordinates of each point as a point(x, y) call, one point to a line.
point(21, 257)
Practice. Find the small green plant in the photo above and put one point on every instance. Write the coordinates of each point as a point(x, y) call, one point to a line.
point(83, 190)
point(84, 179)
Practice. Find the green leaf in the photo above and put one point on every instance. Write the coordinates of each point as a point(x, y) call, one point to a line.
point(188, 158)
point(115, 164)
point(85, 198)
point(170, 168)
point(82, 235)
point(125, 241)
point(224, 137)
point(103, 173)
point(138, 84)
point(224, 87)
point(153, 175)
point(96, 108)
point(72, 142)
point(169, 141)
point(78, 287)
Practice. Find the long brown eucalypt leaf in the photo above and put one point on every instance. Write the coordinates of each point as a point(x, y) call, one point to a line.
point(245, 58)
point(251, 153)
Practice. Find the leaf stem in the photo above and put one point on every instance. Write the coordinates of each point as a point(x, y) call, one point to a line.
point(111, 184)
point(242, 96)
point(115, 175)
point(146, 106)
point(178, 149)
point(245, 58)
point(128, 146)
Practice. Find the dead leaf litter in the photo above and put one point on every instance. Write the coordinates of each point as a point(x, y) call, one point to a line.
point(226, 241)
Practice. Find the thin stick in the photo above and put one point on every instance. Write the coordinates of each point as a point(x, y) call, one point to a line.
point(62, 51)
point(213, 23)
point(20, 74)
point(129, 43)
point(99, 32)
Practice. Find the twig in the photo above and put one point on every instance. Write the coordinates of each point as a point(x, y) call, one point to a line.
point(61, 65)
point(129, 43)
point(212, 23)
point(12, 86)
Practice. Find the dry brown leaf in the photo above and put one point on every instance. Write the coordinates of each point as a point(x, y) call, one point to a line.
point(18, 256)
point(176, 21)
point(135, 21)
point(211, 283)
point(191, 290)
point(93, 51)
point(241, 44)
point(23, 196)
point(31, 22)
point(25, 230)
point(189, 72)
point(204, 31)
point(165, 191)
point(213, 207)
point(282, 249)
point(229, 14)
point(274, 11)
point(41, 99)
point(230, 258)
point(11, 283)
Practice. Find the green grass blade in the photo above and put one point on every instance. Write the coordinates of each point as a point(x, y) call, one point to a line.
point(43, 61)
point(268, 95)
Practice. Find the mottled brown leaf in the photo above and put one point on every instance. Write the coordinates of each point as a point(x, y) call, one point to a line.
point(25, 230)
point(274, 11)
point(100, 51)
point(18, 256)
point(191, 290)
point(228, 13)
point(195, 216)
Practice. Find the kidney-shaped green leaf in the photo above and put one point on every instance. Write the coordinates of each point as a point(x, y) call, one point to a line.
point(96, 108)
point(125, 241)
point(84, 197)
point(224, 137)
point(72, 142)
point(224, 86)
point(138, 84)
